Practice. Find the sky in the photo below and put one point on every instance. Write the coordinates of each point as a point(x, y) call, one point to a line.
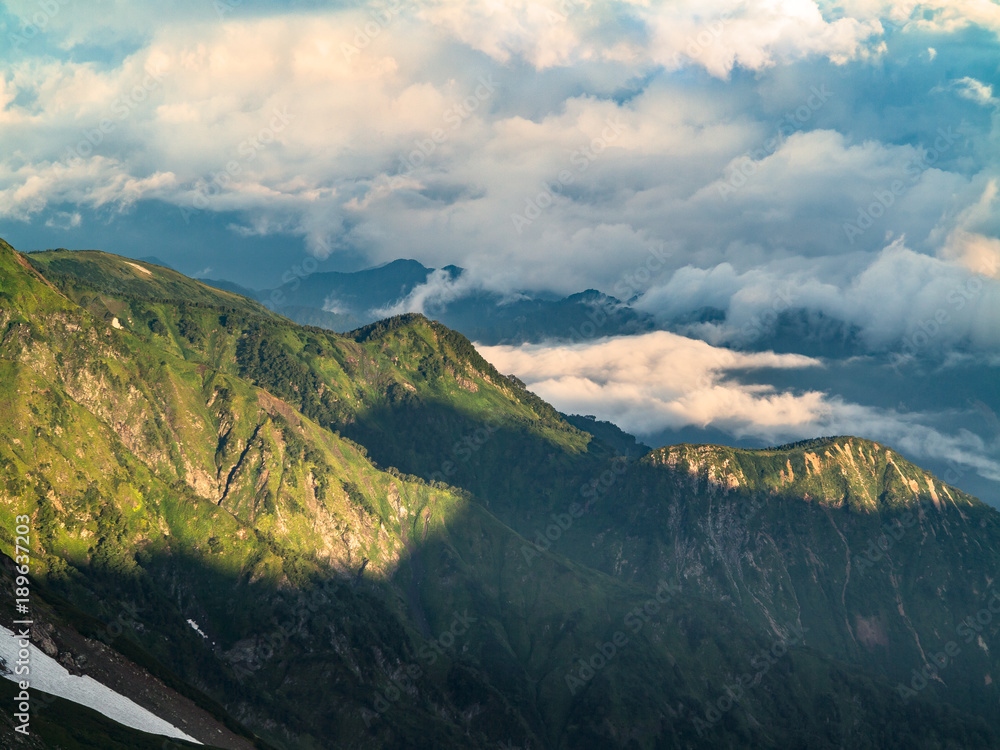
point(742, 155)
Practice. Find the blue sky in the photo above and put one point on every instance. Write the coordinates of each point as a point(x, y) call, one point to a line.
point(845, 154)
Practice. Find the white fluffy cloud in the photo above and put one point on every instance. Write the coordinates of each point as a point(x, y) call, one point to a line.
point(541, 145)
point(715, 34)
point(659, 381)
point(976, 91)
point(893, 301)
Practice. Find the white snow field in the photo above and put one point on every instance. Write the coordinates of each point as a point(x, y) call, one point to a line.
point(51, 677)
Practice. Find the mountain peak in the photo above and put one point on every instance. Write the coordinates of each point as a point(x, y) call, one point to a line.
point(836, 471)
point(23, 286)
point(116, 275)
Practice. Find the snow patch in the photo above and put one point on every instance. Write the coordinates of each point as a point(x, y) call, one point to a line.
point(137, 267)
point(51, 677)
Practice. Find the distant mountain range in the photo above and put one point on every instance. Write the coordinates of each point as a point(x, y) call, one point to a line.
point(344, 301)
point(279, 537)
point(940, 387)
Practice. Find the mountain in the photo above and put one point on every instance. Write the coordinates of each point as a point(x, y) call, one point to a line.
point(522, 318)
point(883, 563)
point(228, 286)
point(344, 301)
point(374, 539)
point(348, 293)
point(609, 434)
point(792, 330)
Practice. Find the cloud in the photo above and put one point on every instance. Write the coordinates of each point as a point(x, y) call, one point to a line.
point(966, 242)
point(718, 36)
point(889, 299)
point(97, 183)
point(978, 253)
point(976, 91)
point(937, 16)
point(64, 220)
point(661, 381)
point(648, 382)
point(439, 289)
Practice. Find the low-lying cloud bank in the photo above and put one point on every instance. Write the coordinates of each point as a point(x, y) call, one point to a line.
point(660, 381)
point(648, 382)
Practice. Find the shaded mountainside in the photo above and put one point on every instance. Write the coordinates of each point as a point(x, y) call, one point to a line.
point(361, 528)
point(609, 433)
point(880, 560)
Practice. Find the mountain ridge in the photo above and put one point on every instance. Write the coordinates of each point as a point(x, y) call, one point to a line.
point(873, 460)
point(214, 463)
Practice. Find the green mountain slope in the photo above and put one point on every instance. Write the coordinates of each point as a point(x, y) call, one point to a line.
point(450, 416)
point(121, 277)
point(882, 562)
point(352, 523)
